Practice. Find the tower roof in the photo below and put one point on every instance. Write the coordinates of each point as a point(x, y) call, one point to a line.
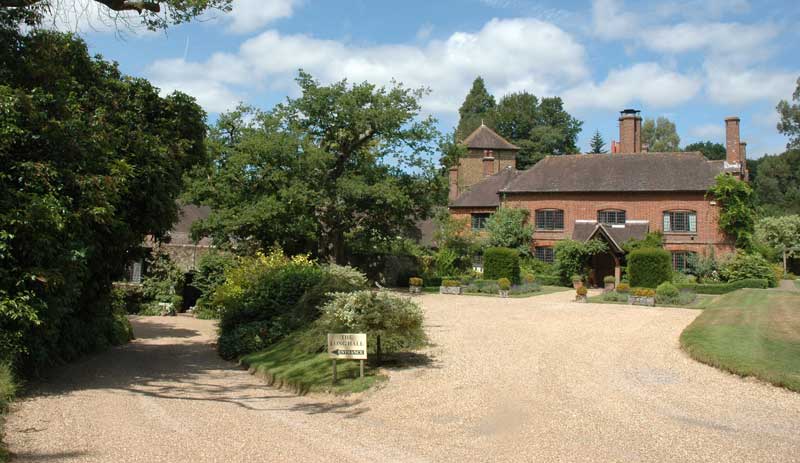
point(487, 139)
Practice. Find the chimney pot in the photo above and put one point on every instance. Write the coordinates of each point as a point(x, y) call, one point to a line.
point(488, 163)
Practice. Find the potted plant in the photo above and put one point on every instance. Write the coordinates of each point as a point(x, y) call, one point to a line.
point(450, 287)
point(609, 282)
point(577, 281)
point(504, 284)
point(581, 293)
point(415, 285)
point(642, 296)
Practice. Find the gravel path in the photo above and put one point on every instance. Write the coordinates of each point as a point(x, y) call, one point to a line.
point(539, 379)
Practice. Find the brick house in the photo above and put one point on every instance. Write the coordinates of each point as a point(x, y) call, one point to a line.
point(613, 197)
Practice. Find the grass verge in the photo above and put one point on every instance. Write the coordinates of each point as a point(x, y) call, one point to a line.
point(701, 302)
point(290, 363)
point(7, 391)
point(750, 332)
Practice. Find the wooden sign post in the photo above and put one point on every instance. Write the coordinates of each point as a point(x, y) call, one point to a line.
point(347, 346)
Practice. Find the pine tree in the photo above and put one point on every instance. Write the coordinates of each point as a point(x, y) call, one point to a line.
point(597, 143)
point(478, 107)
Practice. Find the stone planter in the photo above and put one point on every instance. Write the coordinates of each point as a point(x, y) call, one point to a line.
point(641, 300)
point(577, 284)
point(609, 287)
point(503, 293)
point(414, 289)
point(449, 289)
point(581, 299)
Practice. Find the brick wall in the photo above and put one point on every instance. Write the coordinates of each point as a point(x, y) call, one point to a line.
point(470, 167)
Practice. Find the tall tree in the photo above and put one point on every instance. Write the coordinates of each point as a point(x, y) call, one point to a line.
point(478, 106)
point(660, 135)
point(789, 124)
point(538, 127)
point(597, 144)
point(155, 14)
point(343, 168)
point(91, 162)
point(781, 234)
point(712, 151)
point(777, 183)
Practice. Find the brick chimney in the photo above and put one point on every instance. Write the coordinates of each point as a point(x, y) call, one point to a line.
point(453, 194)
point(488, 163)
point(732, 143)
point(630, 131)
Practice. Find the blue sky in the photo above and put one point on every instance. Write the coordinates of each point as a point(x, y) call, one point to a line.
point(693, 61)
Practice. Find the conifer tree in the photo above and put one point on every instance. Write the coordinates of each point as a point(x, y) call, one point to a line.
point(597, 144)
point(478, 107)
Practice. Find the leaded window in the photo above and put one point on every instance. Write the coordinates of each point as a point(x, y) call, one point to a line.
point(544, 254)
point(680, 260)
point(549, 219)
point(479, 220)
point(611, 217)
point(680, 222)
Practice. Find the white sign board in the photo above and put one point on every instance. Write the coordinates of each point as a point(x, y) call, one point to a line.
point(347, 346)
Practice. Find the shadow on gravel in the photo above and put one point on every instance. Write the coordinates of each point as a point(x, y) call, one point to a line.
point(152, 330)
point(59, 456)
point(347, 409)
point(403, 360)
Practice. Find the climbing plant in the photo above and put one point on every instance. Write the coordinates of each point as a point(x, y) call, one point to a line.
point(737, 209)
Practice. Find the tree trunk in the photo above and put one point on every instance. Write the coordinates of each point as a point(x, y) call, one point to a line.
point(378, 350)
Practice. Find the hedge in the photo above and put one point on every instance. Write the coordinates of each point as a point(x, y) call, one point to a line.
point(649, 267)
point(723, 288)
point(501, 263)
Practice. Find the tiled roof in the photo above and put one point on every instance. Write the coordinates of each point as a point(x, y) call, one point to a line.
point(485, 192)
point(619, 234)
point(181, 232)
point(487, 139)
point(618, 172)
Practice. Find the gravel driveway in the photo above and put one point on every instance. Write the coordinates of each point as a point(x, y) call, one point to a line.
point(537, 379)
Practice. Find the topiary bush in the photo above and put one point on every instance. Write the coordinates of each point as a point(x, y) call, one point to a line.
point(582, 291)
point(609, 279)
point(649, 267)
point(667, 293)
point(501, 263)
point(504, 284)
point(623, 288)
point(415, 281)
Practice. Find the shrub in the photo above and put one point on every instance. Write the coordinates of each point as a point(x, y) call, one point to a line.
point(243, 339)
point(393, 322)
point(623, 288)
point(777, 269)
point(415, 281)
point(528, 278)
point(504, 284)
point(615, 296)
point(165, 279)
point(211, 268)
point(649, 267)
point(507, 228)
point(748, 266)
point(609, 279)
point(576, 278)
point(723, 288)
point(582, 291)
point(525, 288)
point(127, 298)
point(483, 287)
point(667, 293)
point(7, 386)
point(501, 263)
point(451, 283)
point(682, 278)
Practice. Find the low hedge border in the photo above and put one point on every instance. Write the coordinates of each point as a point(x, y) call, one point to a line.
point(724, 288)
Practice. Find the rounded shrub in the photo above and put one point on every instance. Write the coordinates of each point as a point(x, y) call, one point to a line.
point(451, 283)
point(528, 278)
point(415, 281)
point(609, 279)
point(667, 293)
point(504, 284)
point(649, 267)
point(501, 263)
point(623, 288)
point(576, 278)
point(582, 291)
point(746, 266)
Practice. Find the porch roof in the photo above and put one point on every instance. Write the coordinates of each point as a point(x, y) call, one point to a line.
point(617, 234)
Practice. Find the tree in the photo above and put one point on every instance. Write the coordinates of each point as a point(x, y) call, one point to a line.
point(660, 135)
point(341, 169)
point(777, 183)
point(737, 211)
point(478, 107)
point(507, 228)
point(597, 144)
point(789, 124)
point(782, 234)
point(91, 162)
point(712, 151)
point(153, 14)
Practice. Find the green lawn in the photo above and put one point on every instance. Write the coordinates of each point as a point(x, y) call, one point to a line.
point(289, 363)
point(750, 332)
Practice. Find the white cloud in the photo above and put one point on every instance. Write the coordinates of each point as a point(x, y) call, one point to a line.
point(740, 42)
point(733, 85)
point(250, 15)
point(510, 54)
point(646, 83)
point(610, 20)
point(708, 131)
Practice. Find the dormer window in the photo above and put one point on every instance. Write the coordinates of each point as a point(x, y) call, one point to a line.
point(611, 217)
point(680, 222)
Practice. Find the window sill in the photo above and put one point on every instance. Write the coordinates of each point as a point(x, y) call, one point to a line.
point(680, 233)
point(558, 230)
